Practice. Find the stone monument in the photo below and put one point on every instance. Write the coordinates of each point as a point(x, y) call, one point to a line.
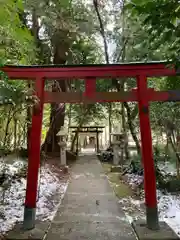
point(62, 143)
point(118, 148)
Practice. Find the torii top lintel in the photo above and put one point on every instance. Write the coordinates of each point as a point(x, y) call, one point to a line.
point(90, 71)
point(87, 129)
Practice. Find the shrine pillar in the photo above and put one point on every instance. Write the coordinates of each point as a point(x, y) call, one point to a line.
point(34, 158)
point(147, 155)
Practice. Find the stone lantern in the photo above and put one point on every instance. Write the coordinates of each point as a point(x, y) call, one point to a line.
point(118, 146)
point(62, 143)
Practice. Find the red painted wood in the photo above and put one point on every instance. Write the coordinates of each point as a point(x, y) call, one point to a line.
point(35, 147)
point(153, 96)
point(90, 87)
point(105, 71)
point(146, 144)
point(79, 97)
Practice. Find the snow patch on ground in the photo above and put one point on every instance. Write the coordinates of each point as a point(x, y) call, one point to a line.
point(12, 195)
point(168, 204)
point(169, 211)
point(134, 180)
point(167, 168)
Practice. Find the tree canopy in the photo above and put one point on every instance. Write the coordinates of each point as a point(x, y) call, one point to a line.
point(86, 32)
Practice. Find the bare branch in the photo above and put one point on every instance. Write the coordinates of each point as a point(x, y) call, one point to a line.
point(102, 31)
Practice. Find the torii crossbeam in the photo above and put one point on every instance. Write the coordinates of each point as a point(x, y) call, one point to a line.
point(90, 73)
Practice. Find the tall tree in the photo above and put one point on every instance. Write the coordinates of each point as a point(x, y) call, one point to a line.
point(56, 25)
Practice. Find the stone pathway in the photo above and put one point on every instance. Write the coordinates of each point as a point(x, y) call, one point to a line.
point(90, 209)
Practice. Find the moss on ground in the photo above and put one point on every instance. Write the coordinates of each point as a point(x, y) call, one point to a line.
point(121, 189)
point(107, 167)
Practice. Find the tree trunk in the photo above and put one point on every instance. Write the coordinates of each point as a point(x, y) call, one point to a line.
point(131, 127)
point(7, 126)
point(80, 125)
point(129, 118)
point(69, 122)
point(57, 110)
point(171, 139)
point(15, 132)
point(110, 121)
point(56, 122)
point(124, 128)
point(122, 56)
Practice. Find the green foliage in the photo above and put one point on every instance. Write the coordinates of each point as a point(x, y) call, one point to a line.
point(172, 83)
point(14, 92)
point(161, 20)
point(84, 51)
point(144, 30)
point(94, 114)
point(16, 42)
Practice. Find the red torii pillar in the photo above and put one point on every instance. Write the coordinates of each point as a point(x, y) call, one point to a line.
point(147, 155)
point(34, 158)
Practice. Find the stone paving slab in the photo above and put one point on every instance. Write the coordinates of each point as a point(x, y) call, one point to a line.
point(75, 217)
point(38, 233)
point(90, 230)
point(90, 209)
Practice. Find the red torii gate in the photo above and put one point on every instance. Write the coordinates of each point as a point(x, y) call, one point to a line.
point(143, 95)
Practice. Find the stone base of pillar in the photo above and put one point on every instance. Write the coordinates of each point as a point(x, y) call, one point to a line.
point(65, 169)
point(37, 233)
point(165, 232)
